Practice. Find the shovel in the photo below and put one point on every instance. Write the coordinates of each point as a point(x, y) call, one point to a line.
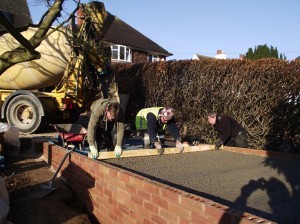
point(47, 189)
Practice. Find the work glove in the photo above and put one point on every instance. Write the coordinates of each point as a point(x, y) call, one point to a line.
point(118, 151)
point(94, 152)
point(179, 146)
point(159, 148)
point(218, 145)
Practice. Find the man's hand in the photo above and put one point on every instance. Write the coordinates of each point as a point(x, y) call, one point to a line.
point(159, 148)
point(179, 146)
point(218, 145)
point(118, 151)
point(157, 145)
point(94, 152)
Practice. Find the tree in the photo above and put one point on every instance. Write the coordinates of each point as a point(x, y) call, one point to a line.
point(263, 51)
point(26, 51)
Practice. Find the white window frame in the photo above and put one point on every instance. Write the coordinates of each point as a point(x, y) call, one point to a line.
point(120, 53)
point(153, 58)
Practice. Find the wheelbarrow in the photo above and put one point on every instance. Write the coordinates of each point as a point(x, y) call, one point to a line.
point(71, 134)
point(68, 134)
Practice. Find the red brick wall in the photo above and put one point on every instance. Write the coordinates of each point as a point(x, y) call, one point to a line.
point(117, 196)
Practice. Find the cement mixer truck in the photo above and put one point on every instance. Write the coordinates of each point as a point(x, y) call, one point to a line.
point(34, 93)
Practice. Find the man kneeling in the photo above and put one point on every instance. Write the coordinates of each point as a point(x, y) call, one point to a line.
point(106, 115)
point(154, 122)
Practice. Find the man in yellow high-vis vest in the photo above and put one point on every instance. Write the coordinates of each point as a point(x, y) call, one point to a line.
point(154, 121)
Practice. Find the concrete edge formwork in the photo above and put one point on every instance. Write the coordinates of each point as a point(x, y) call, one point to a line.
point(153, 152)
point(114, 195)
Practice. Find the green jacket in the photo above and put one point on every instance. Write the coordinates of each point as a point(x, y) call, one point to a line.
point(98, 114)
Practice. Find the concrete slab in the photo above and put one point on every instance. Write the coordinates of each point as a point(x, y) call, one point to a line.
point(265, 186)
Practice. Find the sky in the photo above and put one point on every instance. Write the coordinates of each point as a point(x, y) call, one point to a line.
point(189, 27)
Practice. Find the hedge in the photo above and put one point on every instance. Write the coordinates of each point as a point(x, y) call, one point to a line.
point(263, 95)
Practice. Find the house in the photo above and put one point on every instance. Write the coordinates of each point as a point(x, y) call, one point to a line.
point(199, 57)
point(16, 11)
point(220, 55)
point(127, 44)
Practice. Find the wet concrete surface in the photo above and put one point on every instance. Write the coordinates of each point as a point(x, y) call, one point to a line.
point(263, 186)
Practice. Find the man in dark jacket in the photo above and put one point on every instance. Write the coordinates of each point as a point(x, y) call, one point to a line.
point(230, 132)
point(105, 114)
point(154, 121)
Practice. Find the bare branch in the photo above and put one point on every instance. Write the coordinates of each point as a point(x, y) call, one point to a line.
point(26, 51)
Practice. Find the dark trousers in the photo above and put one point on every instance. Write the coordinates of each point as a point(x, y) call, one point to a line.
point(241, 140)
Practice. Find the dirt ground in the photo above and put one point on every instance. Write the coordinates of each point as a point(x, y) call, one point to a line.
point(25, 175)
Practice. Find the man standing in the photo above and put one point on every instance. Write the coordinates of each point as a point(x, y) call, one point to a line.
point(105, 114)
point(154, 122)
point(230, 132)
point(109, 87)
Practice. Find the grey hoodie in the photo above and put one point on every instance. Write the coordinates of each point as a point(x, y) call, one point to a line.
point(98, 114)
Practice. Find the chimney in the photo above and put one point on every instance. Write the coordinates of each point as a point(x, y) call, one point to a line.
point(241, 56)
point(79, 16)
point(220, 55)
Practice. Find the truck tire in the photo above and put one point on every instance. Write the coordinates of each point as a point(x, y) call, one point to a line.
point(23, 112)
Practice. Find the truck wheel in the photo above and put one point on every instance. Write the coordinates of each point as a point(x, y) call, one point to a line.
point(24, 113)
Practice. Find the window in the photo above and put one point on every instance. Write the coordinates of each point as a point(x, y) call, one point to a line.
point(153, 58)
point(120, 53)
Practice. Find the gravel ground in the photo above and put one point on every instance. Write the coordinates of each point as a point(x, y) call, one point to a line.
point(264, 186)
